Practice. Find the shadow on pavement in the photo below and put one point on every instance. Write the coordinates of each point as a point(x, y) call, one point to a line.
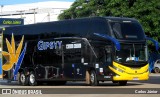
point(102, 84)
point(152, 80)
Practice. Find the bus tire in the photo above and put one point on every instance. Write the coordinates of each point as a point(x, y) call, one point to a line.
point(156, 70)
point(32, 79)
point(122, 83)
point(93, 78)
point(23, 79)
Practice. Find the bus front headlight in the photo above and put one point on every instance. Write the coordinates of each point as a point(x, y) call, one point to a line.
point(120, 70)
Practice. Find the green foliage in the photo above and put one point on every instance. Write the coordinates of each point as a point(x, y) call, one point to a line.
point(146, 11)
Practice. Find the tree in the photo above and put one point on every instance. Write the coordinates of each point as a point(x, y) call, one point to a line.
point(147, 12)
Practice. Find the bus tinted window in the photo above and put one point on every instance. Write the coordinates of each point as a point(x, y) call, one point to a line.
point(127, 30)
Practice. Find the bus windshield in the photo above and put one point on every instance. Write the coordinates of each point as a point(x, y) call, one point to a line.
point(131, 53)
point(127, 30)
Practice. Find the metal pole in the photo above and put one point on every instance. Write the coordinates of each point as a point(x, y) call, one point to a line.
point(34, 16)
point(21, 13)
point(48, 17)
point(34, 12)
point(1, 9)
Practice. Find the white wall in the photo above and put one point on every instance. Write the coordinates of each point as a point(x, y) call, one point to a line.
point(46, 11)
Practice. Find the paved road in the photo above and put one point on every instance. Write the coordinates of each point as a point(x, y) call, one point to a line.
point(72, 87)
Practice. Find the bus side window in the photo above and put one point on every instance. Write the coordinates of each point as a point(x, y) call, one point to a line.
point(117, 30)
point(102, 55)
point(86, 53)
point(108, 52)
point(72, 52)
point(100, 52)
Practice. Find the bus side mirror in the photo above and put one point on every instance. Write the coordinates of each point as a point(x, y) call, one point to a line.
point(154, 42)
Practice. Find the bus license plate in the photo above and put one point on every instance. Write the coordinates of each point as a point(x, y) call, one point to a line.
point(135, 78)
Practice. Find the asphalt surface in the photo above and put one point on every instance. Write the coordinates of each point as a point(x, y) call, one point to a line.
point(80, 89)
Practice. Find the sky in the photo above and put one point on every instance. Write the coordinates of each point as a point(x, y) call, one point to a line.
point(11, 2)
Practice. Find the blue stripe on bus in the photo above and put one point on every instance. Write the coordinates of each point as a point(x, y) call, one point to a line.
point(115, 41)
point(0, 66)
point(20, 59)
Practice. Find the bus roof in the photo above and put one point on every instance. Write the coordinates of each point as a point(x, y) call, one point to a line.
point(80, 19)
point(81, 27)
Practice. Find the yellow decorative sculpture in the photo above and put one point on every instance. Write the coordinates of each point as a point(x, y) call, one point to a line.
point(12, 55)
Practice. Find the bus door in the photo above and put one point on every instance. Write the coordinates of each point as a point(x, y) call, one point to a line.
point(73, 65)
point(104, 58)
point(108, 62)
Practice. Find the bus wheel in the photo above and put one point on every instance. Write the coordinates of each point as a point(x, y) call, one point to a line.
point(32, 79)
point(156, 70)
point(122, 83)
point(93, 78)
point(23, 79)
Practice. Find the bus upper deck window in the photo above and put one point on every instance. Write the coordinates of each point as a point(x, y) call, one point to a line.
point(117, 30)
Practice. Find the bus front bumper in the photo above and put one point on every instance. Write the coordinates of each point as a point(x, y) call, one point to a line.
point(127, 73)
point(144, 76)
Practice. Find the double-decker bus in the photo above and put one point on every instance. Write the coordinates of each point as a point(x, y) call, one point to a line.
point(88, 49)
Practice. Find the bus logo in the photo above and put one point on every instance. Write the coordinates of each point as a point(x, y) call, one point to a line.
point(49, 45)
